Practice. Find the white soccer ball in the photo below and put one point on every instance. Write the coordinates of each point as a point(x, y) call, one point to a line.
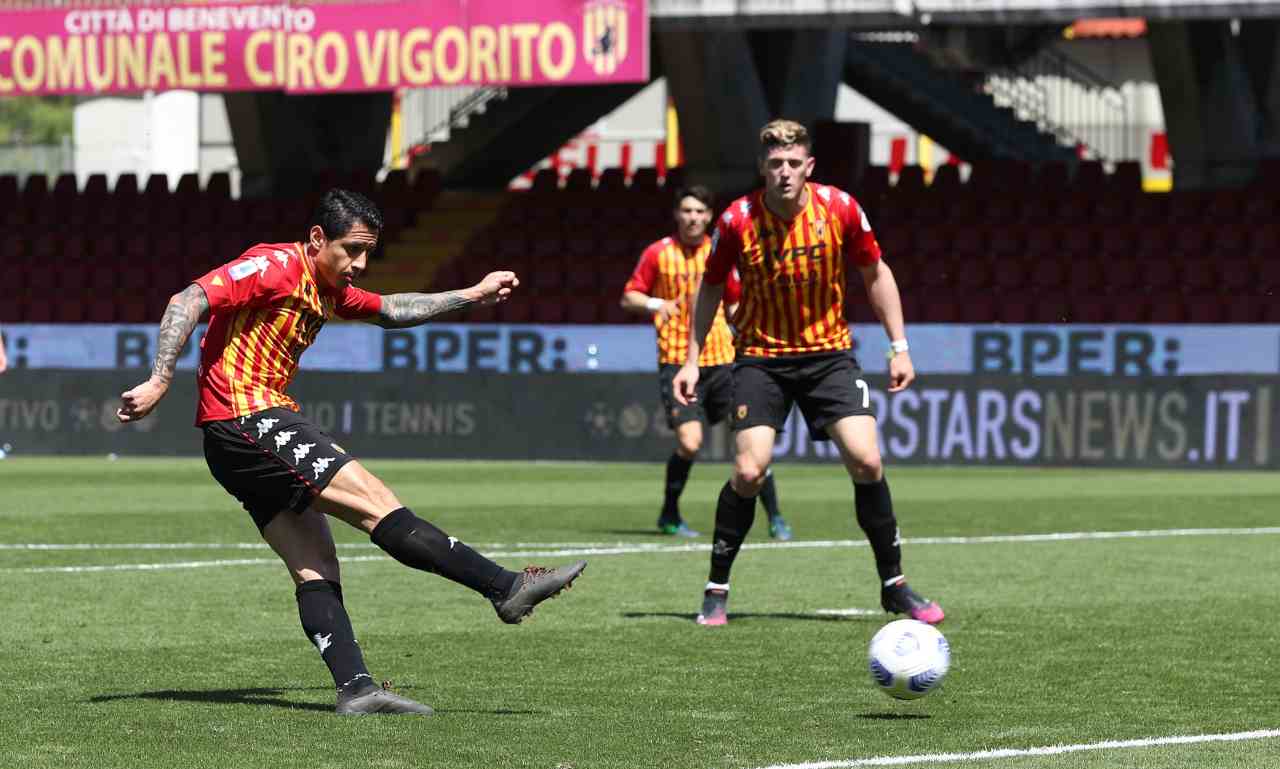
point(908, 659)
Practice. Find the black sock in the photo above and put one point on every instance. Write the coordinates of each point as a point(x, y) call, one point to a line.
point(734, 516)
point(325, 621)
point(769, 496)
point(677, 475)
point(875, 515)
point(417, 544)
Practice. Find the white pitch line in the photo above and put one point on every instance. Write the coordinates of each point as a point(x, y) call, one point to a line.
point(1049, 750)
point(56, 546)
point(556, 550)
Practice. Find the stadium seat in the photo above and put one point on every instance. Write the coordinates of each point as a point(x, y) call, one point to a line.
point(1158, 276)
point(1090, 176)
point(1166, 308)
point(1121, 275)
point(583, 310)
point(518, 309)
point(1126, 177)
point(1245, 308)
point(910, 181)
point(578, 180)
point(1235, 275)
point(38, 310)
point(612, 180)
point(1205, 308)
point(1011, 275)
point(549, 309)
point(1050, 308)
point(1015, 308)
point(946, 180)
point(1049, 275)
point(69, 310)
point(645, 180)
point(973, 275)
point(219, 186)
point(975, 308)
point(1052, 176)
point(1090, 309)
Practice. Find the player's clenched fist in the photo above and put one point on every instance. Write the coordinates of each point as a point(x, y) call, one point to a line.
point(685, 384)
point(496, 287)
point(138, 402)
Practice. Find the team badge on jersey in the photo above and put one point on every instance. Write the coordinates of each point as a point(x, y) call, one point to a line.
point(742, 411)
point(820, 229)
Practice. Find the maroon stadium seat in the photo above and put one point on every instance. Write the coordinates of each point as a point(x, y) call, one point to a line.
point(516, 310)
point(549, 308)
point(1128, 308)
point(1205, 308)
point(611, 312)
point(972, 274)
point(578, 180)
point(946, 179)
point(1050, 308)
point(1244, 308)
point(69, 310)
point(487, 313)
point(1052, 176)
point(612, 180)
point(1048, 274)
point(1090, 309)
point(1126, 178)
point(1167, 308)
point(1089, 176)
point(1158, 277)
point(1012, 275)
point(38, 310)
point(645, 180)
point(583, 310)
point(1015, 308)
point(1121, 275)
point(910, 181)
point(973, 308)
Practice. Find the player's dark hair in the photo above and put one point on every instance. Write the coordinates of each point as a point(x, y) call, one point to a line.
point(697, 192)
point(339, 210)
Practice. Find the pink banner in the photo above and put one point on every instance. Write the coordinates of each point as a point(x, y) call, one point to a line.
point(318, 48)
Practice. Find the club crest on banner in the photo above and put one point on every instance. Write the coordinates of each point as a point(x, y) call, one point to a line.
point(604, 35)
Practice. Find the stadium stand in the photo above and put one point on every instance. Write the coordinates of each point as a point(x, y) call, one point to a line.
point(1012, 244)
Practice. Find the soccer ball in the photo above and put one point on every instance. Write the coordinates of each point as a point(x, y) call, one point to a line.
point(908, 659)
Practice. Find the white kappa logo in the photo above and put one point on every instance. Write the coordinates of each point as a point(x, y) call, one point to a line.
point(283, 437)
point(301, 451)
point(322, 642)
point(452, 541)
point(265, 425)
point(320, 465)
point(282, 257)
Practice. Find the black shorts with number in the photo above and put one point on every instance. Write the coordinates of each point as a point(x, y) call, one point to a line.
point(272, 460)
point(715, 395)
point(826, 386)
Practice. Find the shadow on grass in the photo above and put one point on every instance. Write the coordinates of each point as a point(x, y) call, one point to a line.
point(270, 696)
point(748, 615)
point(894, 716)
point(650, 532)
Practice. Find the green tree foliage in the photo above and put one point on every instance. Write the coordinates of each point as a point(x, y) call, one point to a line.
point(35, 119)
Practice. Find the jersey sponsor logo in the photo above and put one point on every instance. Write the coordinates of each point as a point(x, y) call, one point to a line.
point(301, 451)
point(248, 267)
point(322, 642)
point(320, 465)
point(283, 437)
point(265, 425)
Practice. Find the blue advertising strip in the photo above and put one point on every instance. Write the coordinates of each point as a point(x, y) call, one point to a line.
point(1218, 421)
point(1068, 350)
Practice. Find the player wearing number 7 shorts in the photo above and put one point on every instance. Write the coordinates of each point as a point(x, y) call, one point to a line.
point(795, 243)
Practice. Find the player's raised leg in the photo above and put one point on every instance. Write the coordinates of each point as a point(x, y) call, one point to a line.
point(356, 496)
point(735, 512)
point(305, 544)
point(855, 437)
point(688, 444)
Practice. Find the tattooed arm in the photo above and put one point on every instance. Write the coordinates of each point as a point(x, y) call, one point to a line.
point(411, 309)
point(180, 319)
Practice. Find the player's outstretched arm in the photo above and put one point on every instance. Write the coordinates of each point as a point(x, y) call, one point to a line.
point(412, 309)
point(644, 304)
point(180, 319)
point(882, 293)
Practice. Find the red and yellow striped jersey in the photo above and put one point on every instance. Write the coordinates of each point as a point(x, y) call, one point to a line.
point(670, 270)
point(793, 272)
point(265, 311)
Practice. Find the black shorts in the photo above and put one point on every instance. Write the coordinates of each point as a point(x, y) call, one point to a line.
point(715, 395)
point(827, 387)
point(272, 460)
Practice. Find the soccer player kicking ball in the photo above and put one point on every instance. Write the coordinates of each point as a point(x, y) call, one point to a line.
point(664, 284)
point(794, 244)
point(266, 308)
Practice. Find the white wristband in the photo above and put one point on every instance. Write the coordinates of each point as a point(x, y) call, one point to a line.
point(899, 345)
point(654, 304)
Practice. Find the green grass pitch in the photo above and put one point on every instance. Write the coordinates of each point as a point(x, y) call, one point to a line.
point(1068, 642)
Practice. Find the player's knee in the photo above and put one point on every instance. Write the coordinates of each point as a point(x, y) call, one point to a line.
point(748, 476)
point(688, 446)
point(866, 468)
